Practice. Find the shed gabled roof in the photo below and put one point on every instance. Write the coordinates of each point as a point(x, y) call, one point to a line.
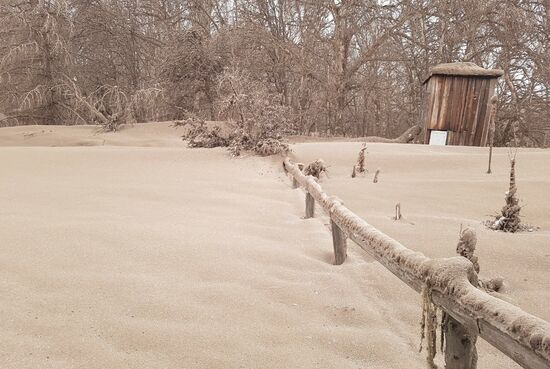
point(463, 69)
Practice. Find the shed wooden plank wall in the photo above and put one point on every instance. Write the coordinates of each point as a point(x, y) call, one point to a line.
point(459, 105)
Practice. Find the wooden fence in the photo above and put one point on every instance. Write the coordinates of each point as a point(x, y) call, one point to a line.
point(519, 335)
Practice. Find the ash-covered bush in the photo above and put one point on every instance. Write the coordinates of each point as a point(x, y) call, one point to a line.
point(200, 135)
point(271, 146)
point(260, 118)
point(240, 141)
point(316, 168)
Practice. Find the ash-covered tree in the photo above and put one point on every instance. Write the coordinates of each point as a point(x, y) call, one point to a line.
point(188, 72)
point(509, 218)
point(35, 54)
point(347, 67)
point(117, 43)
point(492, 115)
point(109, 106)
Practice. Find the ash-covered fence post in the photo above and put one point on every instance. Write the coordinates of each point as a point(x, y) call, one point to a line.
point(460, 345)
point(310, 206)
point(339, 241)
point(460, 340)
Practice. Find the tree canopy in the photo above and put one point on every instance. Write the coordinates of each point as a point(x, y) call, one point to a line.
point(336, 67)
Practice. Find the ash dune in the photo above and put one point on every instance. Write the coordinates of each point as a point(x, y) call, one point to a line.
point(159, 134)
point(162, 134)
point(142, 253)
point(162, 257)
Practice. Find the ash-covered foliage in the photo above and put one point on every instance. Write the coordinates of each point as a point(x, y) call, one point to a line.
point(258, 122)
point(271, 146)
point(200, 135)
point(316, 169)
point(241, 142)
point(467, 245)
point(260, 118)
point(509, 219)
point(330, 63)
point(510, 212)
point(188, 70)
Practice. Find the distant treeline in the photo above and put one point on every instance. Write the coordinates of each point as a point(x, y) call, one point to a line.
point(332, 67)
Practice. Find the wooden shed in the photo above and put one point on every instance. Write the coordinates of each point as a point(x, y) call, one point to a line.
point(457, 104)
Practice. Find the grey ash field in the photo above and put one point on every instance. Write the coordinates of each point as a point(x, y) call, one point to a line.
point(129, 250)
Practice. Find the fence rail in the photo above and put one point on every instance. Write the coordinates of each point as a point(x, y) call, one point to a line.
point(516, 333)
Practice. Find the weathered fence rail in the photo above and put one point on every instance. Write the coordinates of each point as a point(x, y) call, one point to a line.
point(519, 335)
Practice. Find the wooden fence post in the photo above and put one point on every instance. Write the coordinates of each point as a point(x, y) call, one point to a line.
point(460, 346)
point(310, 206)
point(460, 342)
point(339, 242)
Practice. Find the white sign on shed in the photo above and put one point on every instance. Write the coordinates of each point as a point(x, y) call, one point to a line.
point(438, 138)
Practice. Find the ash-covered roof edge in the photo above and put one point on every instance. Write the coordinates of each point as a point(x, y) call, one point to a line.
point(463, 69)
